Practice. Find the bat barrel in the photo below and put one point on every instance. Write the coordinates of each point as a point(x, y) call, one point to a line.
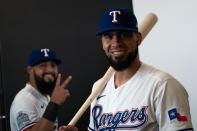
point(149, 21)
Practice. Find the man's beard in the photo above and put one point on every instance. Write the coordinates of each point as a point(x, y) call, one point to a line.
point(122, 64)
point(46, 88)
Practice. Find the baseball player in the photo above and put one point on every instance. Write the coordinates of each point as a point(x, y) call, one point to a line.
point(138, 96)
point(32, 108)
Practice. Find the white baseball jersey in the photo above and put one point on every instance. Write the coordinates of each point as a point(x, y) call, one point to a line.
point(151, 100)
point(27, 108)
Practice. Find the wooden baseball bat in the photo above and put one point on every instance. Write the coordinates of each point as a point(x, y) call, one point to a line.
point(146, 26)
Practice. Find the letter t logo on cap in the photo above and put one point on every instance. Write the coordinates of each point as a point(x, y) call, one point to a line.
point(45, 52)
point(114, 13)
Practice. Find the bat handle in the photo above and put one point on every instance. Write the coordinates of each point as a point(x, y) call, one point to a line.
point(81, 111)
point(92, 96)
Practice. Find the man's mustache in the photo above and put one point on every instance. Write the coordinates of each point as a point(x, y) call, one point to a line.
point(53, 74)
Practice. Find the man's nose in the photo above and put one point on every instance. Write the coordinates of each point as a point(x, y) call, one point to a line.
point(49, 68)
point(116, 39)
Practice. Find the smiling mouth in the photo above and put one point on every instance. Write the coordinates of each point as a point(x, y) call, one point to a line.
point(118, 53)
point(48, 77)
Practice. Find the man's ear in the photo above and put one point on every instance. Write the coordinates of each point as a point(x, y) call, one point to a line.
point(29, 69)
point(139, 38)
point(31, 80)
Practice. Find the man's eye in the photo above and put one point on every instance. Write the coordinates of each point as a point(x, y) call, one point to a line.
point(42, 65)
point(119, 35)
point(53, 65)
point(126, 34)
point(107, 35)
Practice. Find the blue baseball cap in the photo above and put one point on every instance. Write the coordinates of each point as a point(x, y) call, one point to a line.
point(117, 19)
point(41, 55)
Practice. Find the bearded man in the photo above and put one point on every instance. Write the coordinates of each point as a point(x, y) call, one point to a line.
point(35, 107)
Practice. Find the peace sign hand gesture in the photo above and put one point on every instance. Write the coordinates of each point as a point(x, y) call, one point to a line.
point(60, 93)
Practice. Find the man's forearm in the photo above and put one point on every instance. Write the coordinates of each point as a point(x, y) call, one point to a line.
point(43, 125)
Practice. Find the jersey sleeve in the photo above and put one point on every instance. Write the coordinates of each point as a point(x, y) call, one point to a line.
point(172, 106)
point(23, 115)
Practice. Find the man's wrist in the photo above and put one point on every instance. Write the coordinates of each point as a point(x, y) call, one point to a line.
point(51, 111)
